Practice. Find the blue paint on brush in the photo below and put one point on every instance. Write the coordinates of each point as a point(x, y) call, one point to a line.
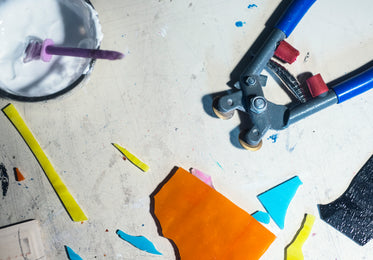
point(252, 6)
point(140, 242)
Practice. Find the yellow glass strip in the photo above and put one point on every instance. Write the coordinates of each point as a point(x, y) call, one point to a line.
point(294, 250)
point(132, 158)
point(63, 193)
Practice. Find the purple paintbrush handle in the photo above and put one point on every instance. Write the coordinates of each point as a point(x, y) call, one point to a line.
point(84, 53)
point(48, 49)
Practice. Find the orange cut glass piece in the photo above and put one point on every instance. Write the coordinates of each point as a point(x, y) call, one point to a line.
point(19, 175)
point(206, 225)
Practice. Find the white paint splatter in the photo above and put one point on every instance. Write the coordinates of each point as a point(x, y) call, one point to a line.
point(163, 31)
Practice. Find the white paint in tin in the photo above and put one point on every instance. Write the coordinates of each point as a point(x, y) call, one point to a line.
point(72, 23)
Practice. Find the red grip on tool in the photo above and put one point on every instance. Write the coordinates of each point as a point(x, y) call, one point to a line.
point(316, 85)
point(286, 52)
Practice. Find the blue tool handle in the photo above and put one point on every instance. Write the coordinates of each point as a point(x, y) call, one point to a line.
point(293, 15)
point(354, 86)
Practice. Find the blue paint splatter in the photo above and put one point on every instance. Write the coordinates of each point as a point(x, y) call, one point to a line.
point(217, 163)
point(252, 6)
point(239, 24)
point(273, 138)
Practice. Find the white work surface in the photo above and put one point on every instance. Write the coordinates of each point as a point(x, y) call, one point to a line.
point(157, 103)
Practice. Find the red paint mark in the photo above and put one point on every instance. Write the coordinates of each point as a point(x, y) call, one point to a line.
point(124, 158)
point(313, 234)
point(107, 230)
point(104, 254)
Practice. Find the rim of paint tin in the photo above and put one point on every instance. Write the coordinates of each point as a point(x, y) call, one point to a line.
point(79, 80)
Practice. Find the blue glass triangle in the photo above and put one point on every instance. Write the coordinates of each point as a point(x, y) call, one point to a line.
point(276, 200)
point(71, 254)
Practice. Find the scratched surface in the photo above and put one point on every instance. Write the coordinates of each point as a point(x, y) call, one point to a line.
point(156, 102)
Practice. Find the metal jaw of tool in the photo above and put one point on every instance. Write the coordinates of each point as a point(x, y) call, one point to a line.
point(264, 115)
point(249, 98)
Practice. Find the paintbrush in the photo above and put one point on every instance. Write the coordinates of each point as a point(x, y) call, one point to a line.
point(45, 50)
